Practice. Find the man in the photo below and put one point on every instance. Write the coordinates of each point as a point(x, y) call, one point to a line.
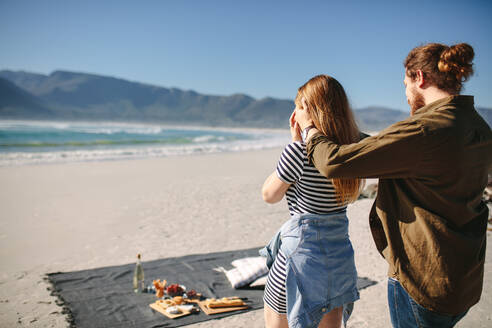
point(428, 220)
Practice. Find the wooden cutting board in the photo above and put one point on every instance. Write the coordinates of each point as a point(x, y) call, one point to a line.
point(209, 311)
point(160, 309)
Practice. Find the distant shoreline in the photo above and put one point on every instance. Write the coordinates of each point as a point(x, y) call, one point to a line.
point(174, 125)
point(27, 142)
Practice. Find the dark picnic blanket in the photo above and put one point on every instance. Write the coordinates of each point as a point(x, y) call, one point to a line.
point(104, 297)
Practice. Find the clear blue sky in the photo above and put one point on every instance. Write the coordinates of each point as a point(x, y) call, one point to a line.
point(260, 48)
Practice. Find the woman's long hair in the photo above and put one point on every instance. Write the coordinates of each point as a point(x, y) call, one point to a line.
point(329, 108)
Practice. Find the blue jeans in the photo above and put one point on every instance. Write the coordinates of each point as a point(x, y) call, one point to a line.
point(406, 313)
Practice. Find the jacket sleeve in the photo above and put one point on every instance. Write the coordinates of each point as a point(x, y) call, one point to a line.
point(395, 152)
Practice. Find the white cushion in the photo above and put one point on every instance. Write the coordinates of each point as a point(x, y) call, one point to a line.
point(246, 270)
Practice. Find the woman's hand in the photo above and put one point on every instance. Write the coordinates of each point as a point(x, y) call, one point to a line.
point(295, 130)
point(302, 115)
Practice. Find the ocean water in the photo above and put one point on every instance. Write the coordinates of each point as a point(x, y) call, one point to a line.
point(35, 142)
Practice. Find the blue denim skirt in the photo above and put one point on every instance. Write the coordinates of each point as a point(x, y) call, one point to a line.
point(320, 267)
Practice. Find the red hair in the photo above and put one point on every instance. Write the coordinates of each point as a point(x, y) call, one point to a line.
point(329, 108)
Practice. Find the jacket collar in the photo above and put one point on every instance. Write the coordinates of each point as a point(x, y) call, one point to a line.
point(466, 101)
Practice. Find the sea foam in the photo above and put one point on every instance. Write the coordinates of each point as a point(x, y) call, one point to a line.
point(31, 142)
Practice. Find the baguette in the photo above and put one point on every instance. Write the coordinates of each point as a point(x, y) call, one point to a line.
point(224, 302)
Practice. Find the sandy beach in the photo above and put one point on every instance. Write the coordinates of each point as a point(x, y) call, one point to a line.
point(74, 216)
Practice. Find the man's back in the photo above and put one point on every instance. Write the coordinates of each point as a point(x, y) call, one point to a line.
point(457, 154)
point(431, 225)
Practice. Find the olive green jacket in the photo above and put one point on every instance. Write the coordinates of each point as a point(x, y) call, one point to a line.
point(428, 220)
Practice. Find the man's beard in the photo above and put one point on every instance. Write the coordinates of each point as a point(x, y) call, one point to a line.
point(416, 102)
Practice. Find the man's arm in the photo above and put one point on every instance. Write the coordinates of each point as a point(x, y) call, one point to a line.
point(395, 152)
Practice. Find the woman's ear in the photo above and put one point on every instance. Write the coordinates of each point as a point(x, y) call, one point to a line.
point(304, 103)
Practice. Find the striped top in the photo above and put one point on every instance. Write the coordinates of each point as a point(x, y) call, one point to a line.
point(310, 192)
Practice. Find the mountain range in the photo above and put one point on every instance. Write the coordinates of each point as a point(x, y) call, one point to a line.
point(64, 95)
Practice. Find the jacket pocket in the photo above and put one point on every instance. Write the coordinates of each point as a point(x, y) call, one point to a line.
point(290, 239)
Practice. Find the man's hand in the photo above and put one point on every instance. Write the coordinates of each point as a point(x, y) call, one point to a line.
point(302, 116)
point(295, 130)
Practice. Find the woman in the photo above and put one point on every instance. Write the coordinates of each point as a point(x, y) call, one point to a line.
point(313, 277)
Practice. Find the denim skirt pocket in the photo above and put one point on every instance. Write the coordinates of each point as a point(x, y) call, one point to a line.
point(291, 236)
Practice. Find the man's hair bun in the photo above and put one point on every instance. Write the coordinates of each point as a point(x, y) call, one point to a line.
point(457, 60)
point(445, 67)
